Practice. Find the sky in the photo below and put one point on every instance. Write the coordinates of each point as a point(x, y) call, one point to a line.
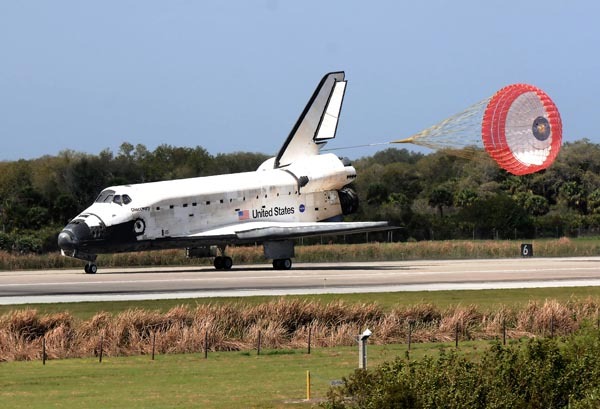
point(235, 75)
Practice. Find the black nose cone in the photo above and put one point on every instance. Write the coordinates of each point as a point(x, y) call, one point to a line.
point(74, 235)
point(66, 240)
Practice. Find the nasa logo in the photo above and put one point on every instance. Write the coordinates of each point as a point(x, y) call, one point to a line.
point(301, 208)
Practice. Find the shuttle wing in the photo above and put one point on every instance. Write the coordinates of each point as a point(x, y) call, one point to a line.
point(263, 231)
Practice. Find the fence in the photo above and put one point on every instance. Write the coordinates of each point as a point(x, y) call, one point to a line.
point(24, 335)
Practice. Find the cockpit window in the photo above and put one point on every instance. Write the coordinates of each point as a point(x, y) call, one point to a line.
point(108, 196)
point(105, 196)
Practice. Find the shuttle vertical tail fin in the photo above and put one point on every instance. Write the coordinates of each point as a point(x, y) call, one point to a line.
point(317, 123)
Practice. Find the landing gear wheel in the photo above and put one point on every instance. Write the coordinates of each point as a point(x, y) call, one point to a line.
point(90, 268)
point(227, 263)
point(219, 263)
point(223, 263)
point(282, 264)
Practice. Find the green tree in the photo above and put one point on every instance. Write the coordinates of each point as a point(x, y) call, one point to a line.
point(64, 208)
point(498, 214)
point(439, 197)
point(377, 194)
point(465, 197)
point(593, 201)
point(536, 205)
point(574, 195)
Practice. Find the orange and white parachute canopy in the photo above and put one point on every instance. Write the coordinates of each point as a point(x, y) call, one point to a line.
point(519, 127)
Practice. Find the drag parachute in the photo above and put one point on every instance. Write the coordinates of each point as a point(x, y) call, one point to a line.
point(519, 127)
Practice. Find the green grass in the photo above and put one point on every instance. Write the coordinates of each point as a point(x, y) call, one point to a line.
point(487, 300)
point(224, 380)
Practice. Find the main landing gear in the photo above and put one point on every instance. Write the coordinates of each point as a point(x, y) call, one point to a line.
point(223, 263)
point(90, 268)
point(282, 264)
point(280, 252)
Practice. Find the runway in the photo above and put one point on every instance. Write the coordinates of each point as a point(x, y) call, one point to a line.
point(19, 287)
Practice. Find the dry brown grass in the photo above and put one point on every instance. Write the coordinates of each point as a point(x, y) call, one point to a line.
point(281, 324)
point(454, 249)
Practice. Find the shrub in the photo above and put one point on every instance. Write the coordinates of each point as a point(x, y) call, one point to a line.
point(541, 373)
point(27, 244)
point(6, 241)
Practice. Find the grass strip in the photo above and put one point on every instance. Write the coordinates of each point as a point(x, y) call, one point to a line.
point(224, 380)
point(448, 249)
point(486, 300)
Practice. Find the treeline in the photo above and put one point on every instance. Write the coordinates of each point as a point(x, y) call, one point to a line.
point(464, 194)
point(442, 195)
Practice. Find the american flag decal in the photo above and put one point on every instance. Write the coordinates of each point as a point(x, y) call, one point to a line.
point(243, 215)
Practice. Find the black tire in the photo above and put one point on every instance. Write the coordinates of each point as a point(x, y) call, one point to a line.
point(282, 264)
point(90, 268)
point(227, 263)
point(219, 263)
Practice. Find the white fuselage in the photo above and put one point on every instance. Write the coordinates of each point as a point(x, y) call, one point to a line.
point(187, 207)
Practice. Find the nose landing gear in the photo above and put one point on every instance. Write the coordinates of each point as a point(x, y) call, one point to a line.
point(90, 267)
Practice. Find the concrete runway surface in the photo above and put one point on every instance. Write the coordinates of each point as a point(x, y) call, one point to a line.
point(111, 284)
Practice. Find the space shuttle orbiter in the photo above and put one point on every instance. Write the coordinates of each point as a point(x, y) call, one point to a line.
point(297, 193)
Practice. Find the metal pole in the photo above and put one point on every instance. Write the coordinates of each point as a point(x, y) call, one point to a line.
point(206, 344)
point(307, 385)
point(101, 346)
point(362, 353)
point(309, 338)
point(456, 335)
point(258, 344)
point(44, 351)
point(153, 344)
